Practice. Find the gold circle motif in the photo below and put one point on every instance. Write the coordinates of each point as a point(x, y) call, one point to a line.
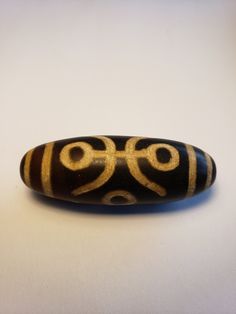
point(167, 166)
point(74, 165)
point(130, 198)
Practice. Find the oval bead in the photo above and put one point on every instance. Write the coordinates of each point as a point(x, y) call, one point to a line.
point(117, 170)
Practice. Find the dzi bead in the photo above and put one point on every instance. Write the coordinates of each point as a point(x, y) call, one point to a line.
point(117, 170)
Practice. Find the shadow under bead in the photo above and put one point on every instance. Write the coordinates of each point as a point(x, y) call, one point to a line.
point(117, 170)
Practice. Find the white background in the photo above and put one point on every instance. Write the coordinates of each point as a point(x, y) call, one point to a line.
point(151, 68)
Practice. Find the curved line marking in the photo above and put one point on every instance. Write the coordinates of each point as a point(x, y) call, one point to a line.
point(135, 170)
point(110, 162)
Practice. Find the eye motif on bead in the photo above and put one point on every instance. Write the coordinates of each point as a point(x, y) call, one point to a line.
point(80, 155)
point(119, 197)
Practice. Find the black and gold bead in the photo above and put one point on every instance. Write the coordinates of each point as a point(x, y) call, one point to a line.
point(117, 170)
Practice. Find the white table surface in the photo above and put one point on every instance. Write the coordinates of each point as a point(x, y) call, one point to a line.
point(152, 68)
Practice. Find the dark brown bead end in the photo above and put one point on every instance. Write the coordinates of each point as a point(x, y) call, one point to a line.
point(117, 170)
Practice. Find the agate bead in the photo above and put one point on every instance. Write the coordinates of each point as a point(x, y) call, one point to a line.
point(117, 170)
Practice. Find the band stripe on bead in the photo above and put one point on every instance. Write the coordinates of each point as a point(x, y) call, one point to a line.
point(27, 164)
point(192, 171)
point(209, 170)
point(46, 169)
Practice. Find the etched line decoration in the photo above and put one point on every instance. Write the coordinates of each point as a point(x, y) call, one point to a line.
point(88, 155)
point(46, 169)
point(27, 164)
point(119, 197)
point(209, 170)
point(110, 155)
point(150, 154)
point(192, 171)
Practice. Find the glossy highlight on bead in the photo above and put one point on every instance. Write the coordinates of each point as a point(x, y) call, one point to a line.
point(117, 170)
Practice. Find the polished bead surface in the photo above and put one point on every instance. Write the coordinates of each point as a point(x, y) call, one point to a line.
point(117, 170)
